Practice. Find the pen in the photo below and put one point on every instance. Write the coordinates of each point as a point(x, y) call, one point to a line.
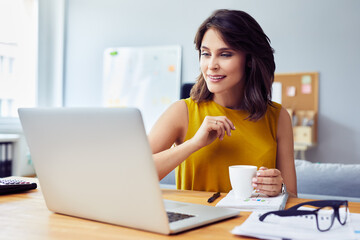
point(214, 197)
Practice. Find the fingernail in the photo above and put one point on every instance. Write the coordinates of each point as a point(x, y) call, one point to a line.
point(254, 185)
point(258, 173)
point(254, 179)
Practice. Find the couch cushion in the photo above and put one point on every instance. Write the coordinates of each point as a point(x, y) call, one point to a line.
point(328, 178)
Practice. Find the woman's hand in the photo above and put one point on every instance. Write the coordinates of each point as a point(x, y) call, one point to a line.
point(268, 181)
point(211, 128)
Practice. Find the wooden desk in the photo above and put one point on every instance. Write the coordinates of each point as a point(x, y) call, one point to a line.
point(25, 216)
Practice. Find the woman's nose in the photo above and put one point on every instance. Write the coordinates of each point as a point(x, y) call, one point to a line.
point(213, 63)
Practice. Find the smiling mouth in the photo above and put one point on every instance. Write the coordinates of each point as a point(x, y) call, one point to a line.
point(216, 78)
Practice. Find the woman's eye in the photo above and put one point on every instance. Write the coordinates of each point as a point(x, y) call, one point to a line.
point(205, 54)
point(226, 54)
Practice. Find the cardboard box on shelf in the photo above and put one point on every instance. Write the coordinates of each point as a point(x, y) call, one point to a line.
point(304, 135)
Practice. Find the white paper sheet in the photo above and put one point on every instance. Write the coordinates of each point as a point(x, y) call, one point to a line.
point(355, 224)
point(274, 227)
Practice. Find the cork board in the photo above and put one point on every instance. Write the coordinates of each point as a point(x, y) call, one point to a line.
point(299, 90)
point(300, 94)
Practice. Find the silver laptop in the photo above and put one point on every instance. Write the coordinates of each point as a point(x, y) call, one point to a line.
point(96, 163)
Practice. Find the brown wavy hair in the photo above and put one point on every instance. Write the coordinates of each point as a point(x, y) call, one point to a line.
point(241, 32)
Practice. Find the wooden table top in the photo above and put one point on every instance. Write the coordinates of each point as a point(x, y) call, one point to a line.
point(25, 216)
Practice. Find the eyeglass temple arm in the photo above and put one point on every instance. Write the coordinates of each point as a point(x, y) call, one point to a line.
point(321, 203)
point(286, 213)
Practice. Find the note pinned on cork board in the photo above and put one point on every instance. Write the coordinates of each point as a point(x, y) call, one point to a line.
point(306, 87)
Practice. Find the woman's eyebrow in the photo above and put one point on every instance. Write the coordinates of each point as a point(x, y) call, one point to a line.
point(220, 49)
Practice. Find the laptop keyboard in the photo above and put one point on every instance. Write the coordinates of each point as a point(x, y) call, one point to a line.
point(173, 217)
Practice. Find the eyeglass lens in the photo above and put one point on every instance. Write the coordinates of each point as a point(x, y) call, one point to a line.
point(326, 216)
point(343, 211)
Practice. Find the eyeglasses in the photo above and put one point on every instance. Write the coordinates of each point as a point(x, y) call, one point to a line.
point(325, 213)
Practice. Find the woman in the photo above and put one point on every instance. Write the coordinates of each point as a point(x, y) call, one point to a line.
point(229, 118)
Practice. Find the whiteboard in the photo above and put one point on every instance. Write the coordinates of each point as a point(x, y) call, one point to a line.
point(144, 77)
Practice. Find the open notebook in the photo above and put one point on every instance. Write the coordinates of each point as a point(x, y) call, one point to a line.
point(256, 202)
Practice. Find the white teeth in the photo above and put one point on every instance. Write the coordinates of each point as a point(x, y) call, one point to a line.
point(215, 77)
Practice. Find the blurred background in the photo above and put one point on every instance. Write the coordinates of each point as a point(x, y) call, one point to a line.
point(52, 54)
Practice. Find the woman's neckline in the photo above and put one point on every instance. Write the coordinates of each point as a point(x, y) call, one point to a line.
point(227, 108)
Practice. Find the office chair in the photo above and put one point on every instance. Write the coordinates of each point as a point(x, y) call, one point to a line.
point(185, 90)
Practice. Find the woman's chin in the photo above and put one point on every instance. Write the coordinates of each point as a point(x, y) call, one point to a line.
point(215, 89)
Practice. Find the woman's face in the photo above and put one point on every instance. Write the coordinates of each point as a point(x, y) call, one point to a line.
point(223, 68)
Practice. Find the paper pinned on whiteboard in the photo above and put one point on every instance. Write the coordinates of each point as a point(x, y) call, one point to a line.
point(276, 92)
point(144, 77)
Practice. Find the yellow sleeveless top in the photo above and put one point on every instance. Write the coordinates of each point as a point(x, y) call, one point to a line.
point(251, 143)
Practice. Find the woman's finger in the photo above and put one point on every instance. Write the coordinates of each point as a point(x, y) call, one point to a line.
point(221, 124)
point(216, 126)
point(268, 193)
point(226, 124)
point(268, 180)
point(232, 126)
point(267, 188)
point(268, 173)
point(222, 129)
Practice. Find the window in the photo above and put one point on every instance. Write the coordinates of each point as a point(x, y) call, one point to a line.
point(18, 56)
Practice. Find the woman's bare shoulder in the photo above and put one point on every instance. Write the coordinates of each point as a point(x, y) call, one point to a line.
point(177, 111)
point(170, 128)
point(284, 123)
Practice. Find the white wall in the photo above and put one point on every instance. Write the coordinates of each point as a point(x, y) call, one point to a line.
point(307, 35)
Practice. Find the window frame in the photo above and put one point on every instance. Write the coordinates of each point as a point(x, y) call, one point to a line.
point(50, 59)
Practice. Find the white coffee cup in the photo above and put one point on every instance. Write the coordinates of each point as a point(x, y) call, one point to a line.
point(241, 180)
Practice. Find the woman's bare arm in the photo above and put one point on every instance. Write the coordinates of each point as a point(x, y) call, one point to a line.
point(285, 152)
point(171, 129)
